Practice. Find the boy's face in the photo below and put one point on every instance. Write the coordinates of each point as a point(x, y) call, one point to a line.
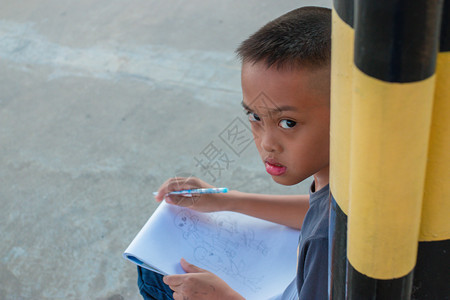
point(289, 113)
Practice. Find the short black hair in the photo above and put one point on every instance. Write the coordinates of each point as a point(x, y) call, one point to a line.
point(299, 38)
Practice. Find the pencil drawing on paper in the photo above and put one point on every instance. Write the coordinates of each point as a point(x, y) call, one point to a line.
point(216, 240)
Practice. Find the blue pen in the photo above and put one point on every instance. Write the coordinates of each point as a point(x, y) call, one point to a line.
point(188, 193)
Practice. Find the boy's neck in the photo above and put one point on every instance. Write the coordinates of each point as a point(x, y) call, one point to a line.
point(321, 178)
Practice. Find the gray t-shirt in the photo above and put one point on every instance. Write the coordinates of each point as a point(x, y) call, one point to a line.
point(312, 269)
point(311, 282)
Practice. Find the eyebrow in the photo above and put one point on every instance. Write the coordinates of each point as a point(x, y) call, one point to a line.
point(278, 109)
point(245, 106)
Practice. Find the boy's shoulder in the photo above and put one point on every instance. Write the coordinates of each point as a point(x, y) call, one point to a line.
point(316, 223)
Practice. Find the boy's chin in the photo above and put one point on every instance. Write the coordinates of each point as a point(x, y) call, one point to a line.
point(284, 180)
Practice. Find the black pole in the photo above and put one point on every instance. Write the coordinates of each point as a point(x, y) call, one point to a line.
point(341, 95)
point(396, 45)
point(432, 272)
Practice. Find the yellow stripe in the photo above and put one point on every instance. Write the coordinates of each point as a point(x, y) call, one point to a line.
point(436, 202)
point(389, 142)
point(343, 37)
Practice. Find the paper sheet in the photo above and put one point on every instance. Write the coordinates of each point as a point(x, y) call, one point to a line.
point(256, 258)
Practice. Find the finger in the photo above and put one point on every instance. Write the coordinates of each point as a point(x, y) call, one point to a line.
point(195, 198)
point(173, 281)
point(190, 268)
point(163, 190)
point(178, 184)
point(177, 296)
point(181, 183)
point(171, 185)
point(181, 200)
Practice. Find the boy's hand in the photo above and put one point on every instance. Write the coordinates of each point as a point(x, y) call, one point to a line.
point(199, 284)
point(199, 202)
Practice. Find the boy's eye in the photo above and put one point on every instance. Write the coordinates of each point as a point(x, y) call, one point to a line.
point(287, 124)
point(252, 117)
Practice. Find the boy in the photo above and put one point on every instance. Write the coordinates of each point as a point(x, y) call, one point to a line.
point(286, 90)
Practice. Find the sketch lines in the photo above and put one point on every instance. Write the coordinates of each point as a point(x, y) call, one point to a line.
point(216, 241)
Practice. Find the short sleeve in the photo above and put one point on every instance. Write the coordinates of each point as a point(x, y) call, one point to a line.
point(315, 270)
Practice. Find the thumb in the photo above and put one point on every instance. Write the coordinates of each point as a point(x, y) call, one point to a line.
point(190, 268)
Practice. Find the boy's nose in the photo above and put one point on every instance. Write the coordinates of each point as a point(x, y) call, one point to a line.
point(269, 141)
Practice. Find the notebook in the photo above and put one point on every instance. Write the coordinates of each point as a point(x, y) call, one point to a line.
point(256, 258)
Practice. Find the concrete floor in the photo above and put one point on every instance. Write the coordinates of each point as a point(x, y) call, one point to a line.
point(100, 102)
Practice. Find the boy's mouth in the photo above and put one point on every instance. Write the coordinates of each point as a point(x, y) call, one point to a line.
point(274, 168)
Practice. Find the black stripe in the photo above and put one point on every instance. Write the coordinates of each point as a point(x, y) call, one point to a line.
point(397, 40)
point(345, 9)
point(362, 287)
point(445, 27)
point(432, 271)
point(338, 248)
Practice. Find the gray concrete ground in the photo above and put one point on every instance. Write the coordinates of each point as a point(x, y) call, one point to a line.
point(100, 102)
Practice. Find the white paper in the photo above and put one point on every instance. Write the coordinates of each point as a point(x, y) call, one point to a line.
point(256, 258)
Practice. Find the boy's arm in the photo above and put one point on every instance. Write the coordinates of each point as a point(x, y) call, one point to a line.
point(287, 210)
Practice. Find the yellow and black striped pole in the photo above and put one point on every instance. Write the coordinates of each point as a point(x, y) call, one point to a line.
point(396, 44)
point(432, 272)
point(341, 96)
